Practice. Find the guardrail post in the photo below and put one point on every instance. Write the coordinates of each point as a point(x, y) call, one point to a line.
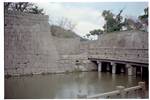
point(121, 90)
point(143, 92)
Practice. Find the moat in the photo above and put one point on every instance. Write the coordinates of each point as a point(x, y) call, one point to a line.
point(67, 85)
point(92, 51)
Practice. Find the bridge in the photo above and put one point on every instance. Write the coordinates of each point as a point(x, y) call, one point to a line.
point(116, 60)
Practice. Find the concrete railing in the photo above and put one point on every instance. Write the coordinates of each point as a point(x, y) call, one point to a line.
point(121, 92)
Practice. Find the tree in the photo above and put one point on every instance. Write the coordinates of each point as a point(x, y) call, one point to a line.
point(109, 18)
point(140, 24)
point(22, 7)
point(116, 23)
point(144, 18)
point(6, 5)
point(119, 22)
point(66, 24)
point(96, 32)
point(131, 24)
point(87, 35)
point(113, 22)
point(36, 10)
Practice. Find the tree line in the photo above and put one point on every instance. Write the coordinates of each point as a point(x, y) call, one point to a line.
point(117, 23)
point(23, 7)
point(114, 22)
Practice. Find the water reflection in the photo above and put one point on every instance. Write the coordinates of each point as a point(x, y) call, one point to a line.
point(65, 85)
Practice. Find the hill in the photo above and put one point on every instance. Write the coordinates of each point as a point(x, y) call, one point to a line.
point(58, 31)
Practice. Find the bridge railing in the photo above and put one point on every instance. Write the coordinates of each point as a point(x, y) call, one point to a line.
point(122, 92)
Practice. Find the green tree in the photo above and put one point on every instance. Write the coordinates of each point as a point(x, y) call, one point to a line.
point(36, 10)
point(22, 7)
point(144, 18)
point(96, 32)
point(87, 35)
point(116, 23)
point(113, 22)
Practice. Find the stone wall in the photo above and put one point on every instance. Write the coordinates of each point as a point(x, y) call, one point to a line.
point(67, 46)
point(133, 39)
point(71, 57)
point(28, 44)
point(73, 63)
point(125, 46)
point(31, 49)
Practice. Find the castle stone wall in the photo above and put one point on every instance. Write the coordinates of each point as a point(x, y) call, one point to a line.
point(124, 46)
point(133, 39)
point(71, 57)
point(67, 46)
point(29, 47)
point(28, 44)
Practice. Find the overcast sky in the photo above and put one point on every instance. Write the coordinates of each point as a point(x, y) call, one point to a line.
point(87, 16)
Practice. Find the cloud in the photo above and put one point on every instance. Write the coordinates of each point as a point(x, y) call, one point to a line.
point(86, 18)
point(84, 27)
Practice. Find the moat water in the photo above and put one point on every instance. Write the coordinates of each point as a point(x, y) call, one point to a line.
point(65, 85)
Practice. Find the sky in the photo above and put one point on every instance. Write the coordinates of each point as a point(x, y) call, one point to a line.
point(87, 16)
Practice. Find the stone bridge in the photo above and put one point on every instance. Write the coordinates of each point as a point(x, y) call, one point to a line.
point(121, 55)
point(113, 56)
point(126, 51)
